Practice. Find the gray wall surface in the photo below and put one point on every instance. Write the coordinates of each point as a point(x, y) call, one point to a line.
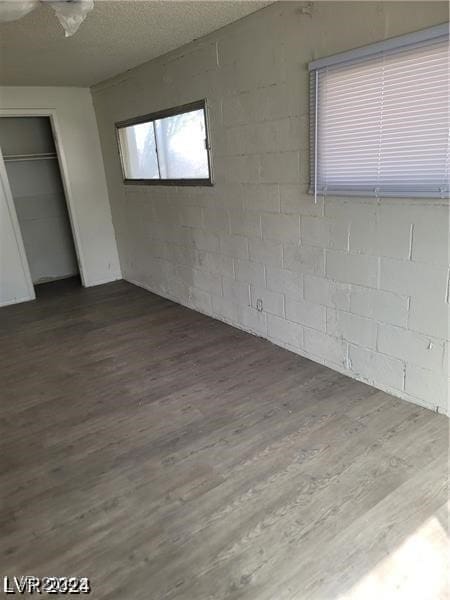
point(39, 198)
point(358, 284)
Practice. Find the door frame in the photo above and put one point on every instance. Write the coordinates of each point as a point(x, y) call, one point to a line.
point(63, 169)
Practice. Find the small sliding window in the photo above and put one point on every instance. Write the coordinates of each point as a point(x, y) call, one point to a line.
point(169, 147)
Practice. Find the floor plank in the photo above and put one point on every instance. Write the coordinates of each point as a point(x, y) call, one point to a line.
point(166, 455)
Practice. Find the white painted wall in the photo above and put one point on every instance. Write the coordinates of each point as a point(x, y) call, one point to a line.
point(39, 200)
point(76, 136)
point(358, 284)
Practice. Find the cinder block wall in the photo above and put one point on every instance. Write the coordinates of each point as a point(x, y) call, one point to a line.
point(358, 284)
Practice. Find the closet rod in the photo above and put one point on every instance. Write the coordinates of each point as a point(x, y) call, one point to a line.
point(23, 157)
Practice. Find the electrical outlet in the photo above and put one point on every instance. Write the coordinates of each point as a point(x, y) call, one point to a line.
point(259, 305)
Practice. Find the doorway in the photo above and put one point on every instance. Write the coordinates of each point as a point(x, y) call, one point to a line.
point(32, 167)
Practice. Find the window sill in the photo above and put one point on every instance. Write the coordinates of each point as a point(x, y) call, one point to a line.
point(445, 195)
point(170, 182)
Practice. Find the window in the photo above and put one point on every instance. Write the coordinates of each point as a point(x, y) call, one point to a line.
point(380, 118)
point(166, 148)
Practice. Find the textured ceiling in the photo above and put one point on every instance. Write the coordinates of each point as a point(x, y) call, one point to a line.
point(117, 35)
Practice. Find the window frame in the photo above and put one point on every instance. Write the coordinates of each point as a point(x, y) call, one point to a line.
point(161, 114)
point(354, 56)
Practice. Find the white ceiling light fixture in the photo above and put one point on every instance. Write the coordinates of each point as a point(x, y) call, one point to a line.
point(11, 10)
point(70, 13)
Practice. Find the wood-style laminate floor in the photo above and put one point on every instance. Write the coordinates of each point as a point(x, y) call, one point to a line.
point(166, 455)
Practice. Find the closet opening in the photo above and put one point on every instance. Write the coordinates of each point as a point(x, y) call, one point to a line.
point(32, 166)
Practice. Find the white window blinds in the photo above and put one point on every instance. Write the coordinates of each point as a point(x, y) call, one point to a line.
point(380, 119)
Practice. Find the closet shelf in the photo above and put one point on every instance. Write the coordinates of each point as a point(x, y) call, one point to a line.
point(23, 157)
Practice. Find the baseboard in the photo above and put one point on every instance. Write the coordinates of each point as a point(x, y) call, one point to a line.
point(17, 301)
point(102, 281)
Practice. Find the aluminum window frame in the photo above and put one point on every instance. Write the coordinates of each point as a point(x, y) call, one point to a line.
point(161, 114)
